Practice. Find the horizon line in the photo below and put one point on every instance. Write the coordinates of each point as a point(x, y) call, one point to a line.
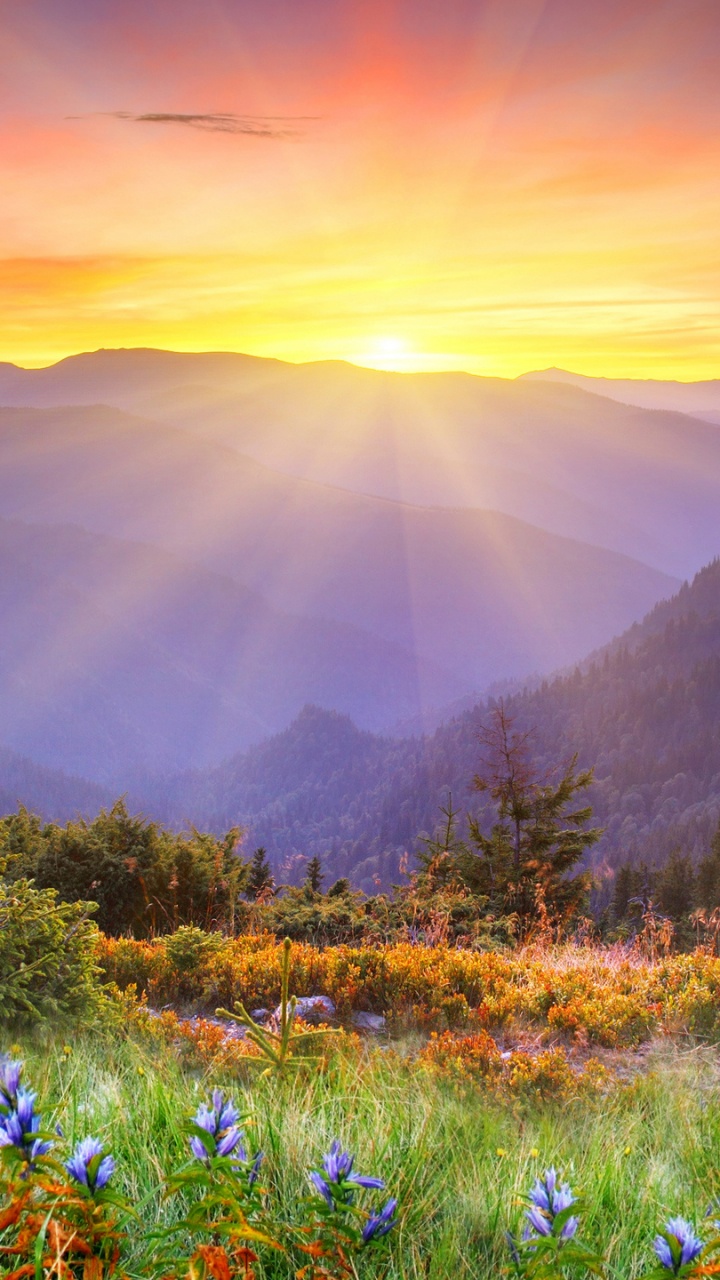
point(357, 364)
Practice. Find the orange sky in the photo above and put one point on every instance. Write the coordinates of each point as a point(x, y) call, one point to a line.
point(495, 185)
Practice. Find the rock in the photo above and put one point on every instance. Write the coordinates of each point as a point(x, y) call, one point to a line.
point(373, 1022)
point(260, 1015)
point(312, 1008)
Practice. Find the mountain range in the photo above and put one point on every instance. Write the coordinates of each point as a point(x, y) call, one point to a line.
point(195, 547)
point(376, 607)
point(644, 713)
point(638, 480)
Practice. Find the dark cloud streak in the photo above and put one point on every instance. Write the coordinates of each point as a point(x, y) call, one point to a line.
point(214, 122)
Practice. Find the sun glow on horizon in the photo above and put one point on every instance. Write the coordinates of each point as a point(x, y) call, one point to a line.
point(392, 354)
point(492, 188)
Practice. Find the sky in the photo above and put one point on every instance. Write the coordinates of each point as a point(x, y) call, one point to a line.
point(490, 185)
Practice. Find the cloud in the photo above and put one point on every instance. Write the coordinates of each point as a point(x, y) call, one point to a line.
point(214, 122)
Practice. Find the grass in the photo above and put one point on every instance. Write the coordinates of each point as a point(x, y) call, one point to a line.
point(457, 1160)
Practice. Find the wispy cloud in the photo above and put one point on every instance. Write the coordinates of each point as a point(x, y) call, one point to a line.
point(215, 122)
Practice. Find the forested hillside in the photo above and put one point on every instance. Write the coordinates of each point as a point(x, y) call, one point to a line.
point(645, 713)
point(57, 796)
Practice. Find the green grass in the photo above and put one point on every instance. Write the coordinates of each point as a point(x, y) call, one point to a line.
point(637, 1155)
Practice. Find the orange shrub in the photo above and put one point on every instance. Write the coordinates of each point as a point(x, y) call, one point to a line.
point(607, 997)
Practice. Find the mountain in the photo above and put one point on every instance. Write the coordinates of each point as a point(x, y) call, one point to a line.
point(580, 465)
point(700, 399)
point(117, 657)
point(476, 594)
point(644, 712)
point(56, 796)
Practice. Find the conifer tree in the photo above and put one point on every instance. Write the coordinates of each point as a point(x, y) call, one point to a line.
point(314, 876)
point(707, 886)
point(523, 866)
point(260, 878)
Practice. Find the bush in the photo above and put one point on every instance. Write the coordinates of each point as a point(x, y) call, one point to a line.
point(47, 955)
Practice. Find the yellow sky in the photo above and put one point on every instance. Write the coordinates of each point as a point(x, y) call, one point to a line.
point(495, 186)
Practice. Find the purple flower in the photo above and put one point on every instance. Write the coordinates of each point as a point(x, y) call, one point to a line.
point(89, 1166)
point(548, 1200)
point(549, 1197)
point(540, 1223)
point(9, 1079)
point(220, 1122)
point(337, 1163)
point(255, 1167)
point(322, 1187)
point(338, 1166)
point(18, 1126)
point(337, 1183)
point(379, 1224)
point(687, 1248)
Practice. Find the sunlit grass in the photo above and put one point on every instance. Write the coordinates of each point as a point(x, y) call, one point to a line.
point(456, 1158)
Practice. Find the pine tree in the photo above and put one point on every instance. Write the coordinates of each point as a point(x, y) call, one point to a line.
point(707, 885)
point(538, 836)
point(260, 879)
point(314, 876)
point(676, 886)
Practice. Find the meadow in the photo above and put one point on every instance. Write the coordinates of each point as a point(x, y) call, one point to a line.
point(457, 1157)
point(493, 1068)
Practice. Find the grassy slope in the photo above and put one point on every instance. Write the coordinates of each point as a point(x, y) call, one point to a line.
point(436, 1147)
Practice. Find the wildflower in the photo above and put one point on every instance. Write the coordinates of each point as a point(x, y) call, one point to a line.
point(534, 1153)
point(220, 1121)
point(89, 1166)
point(338, 1166)
point(19, 1125)
point(322, 1187)
point(379, 1224)
point(677, 1245)
point(500, 1152)
point(255, 1167)
point(713, 1207)
point(627, 1151)
point(548, 1200)
point(512, 1246)
point(9, 1080)
point(338, 1174)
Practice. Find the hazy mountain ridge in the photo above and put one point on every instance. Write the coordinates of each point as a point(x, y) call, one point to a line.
point(566, 458)
point(174, 598)
point(696, 398)
point(478, 594)
point(645, 715)
point(118, 657)
point(58, 796)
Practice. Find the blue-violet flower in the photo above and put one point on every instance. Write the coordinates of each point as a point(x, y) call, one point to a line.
point(688, 1243)
point(89, 1166)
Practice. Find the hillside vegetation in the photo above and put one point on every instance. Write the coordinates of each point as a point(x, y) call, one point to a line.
point(643, 713)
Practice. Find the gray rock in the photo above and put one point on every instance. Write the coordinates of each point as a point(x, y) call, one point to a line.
point(260, 1015)
point(313, 1008)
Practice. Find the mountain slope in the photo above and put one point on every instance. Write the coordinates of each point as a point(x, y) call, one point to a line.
point(581, 465)
point(645, 714)
point(54, 795)
point(701, 399)
point(476, 593)
point(116, 657)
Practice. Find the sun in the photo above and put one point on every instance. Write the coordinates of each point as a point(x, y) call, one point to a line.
point(391, 347)
point(387, 351)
